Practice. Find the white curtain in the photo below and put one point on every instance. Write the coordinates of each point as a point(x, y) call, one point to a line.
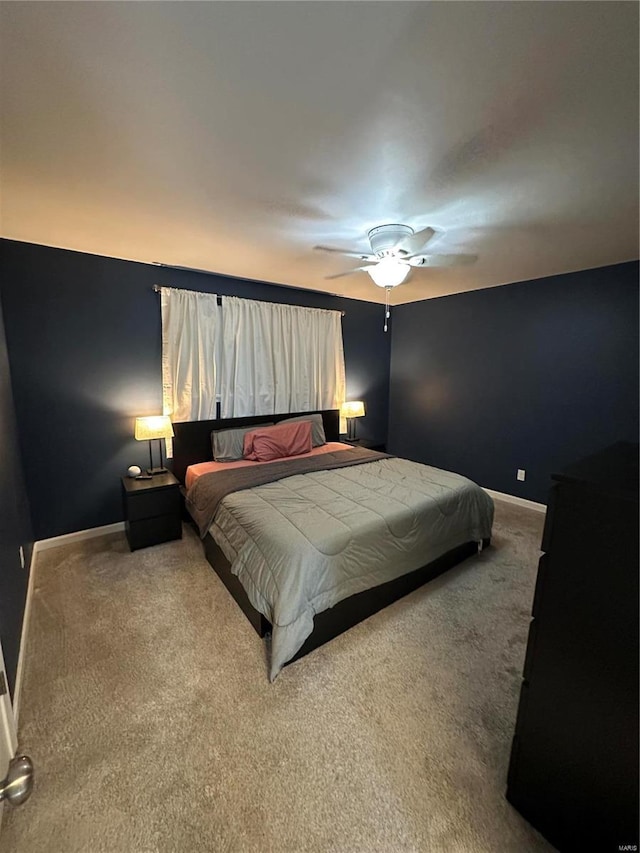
point(279, 358)
point(191, 329)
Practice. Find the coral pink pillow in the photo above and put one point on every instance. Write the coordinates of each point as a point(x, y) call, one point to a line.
point(268, 443)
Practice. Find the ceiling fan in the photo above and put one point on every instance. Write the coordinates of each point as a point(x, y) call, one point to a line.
point(395, 249)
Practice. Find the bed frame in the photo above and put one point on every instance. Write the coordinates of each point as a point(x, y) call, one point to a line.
point(192, 439)
point(192, 444)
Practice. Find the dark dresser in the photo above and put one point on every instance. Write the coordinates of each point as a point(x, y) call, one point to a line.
point(574, 760)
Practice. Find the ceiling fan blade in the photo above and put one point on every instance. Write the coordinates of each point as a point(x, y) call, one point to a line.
point(415, 243)
point(441, 260)
point(349, 272)
point(363, 256)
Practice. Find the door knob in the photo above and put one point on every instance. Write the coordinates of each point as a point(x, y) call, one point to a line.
point(16, 787)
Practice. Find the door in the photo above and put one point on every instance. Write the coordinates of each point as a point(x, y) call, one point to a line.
point(8, 739)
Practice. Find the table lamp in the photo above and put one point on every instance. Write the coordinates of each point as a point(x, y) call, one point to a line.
point(351, 411)
point(158, 426)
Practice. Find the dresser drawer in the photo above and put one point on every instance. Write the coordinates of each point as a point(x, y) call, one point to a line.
point(531, 651)
point(549, 519)
point(543, 568)
point(152, 503)
point(153, 531)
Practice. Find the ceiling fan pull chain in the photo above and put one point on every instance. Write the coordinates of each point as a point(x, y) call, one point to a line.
point(387, 312)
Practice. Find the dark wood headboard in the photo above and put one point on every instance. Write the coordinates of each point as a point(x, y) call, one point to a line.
point(192, 439)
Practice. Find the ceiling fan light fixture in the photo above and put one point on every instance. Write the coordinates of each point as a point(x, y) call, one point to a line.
point(388, 272)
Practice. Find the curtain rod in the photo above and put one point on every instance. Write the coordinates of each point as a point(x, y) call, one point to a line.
point(158, 287)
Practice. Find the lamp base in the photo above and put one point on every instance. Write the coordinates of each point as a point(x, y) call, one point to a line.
point(154, 471)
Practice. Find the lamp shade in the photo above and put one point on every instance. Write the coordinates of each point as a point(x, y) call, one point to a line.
point(158, 426)
point(388, 272)
point(352, 410)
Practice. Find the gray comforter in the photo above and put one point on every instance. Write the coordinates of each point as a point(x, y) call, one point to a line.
point(206, 493)
point(305, 542)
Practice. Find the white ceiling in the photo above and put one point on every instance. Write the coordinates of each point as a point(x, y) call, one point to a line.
point(234, 137)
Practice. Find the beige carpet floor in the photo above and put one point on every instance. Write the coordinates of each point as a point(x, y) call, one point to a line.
point(154, 729)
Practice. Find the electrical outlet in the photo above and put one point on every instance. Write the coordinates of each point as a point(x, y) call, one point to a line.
point(22, 556)
point(521, 475)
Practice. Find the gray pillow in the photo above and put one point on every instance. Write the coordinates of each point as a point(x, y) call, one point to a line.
point(317, 427)
point(227, 444)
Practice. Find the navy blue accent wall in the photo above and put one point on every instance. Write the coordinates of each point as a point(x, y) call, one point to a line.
point(83, 334)
point(15, 524)
point(532, 375)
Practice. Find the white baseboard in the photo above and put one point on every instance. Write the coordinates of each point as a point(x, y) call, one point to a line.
point(68, 538)
point(514, 499)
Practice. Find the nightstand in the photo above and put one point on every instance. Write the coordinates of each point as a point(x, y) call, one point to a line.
point(366, 443)
point(151, 510)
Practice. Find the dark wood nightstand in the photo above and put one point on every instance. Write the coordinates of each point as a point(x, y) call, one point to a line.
point(152, 510)
point(366, 443)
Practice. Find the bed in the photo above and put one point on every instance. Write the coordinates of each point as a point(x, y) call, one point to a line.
point(311, 545)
